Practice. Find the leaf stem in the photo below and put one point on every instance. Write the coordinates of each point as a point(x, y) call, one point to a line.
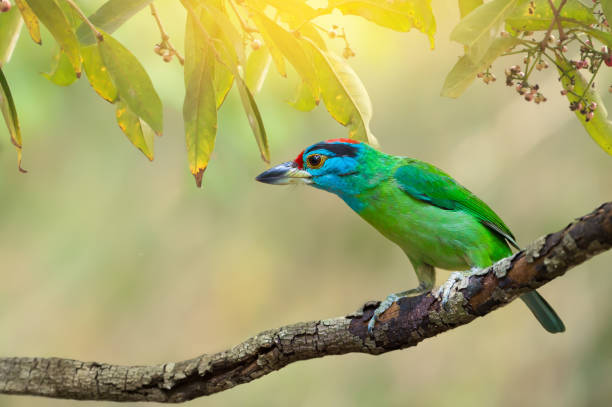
point(83, 17)
point(164, 36)
point(248, 30)
point(557, 21)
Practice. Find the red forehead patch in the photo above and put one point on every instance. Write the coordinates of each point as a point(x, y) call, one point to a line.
point(299, 160)
point(343, 140)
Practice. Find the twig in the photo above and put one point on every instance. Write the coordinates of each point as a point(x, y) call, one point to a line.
point(408, 322)
point(243, 24)
point(556, 21)
point(164, 36)
point(83, 17)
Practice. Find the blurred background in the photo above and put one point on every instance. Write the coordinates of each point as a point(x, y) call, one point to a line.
point(105, 256)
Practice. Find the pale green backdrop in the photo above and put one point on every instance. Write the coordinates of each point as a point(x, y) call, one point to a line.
point(105, 256)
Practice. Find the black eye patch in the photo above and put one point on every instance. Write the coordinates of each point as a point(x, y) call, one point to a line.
point(338, 149)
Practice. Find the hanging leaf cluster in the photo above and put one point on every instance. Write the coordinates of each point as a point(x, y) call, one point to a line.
point(227, 43)
point(237, 43)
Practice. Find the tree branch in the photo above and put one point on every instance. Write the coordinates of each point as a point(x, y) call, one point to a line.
point(405, 324)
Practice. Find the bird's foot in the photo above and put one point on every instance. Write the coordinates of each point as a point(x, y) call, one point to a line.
point(385, 305)
point(450, 286)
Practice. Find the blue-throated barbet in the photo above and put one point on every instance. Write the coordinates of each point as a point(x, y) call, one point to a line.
point(436, 221)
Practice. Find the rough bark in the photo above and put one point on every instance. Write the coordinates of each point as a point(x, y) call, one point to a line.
point(405, 324)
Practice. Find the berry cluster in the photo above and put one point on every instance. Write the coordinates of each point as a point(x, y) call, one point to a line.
point(590, 58)
point(531, 93)
point(587, 110)
point(162, 49)
point(338, 32)
point(487, 77)
point(539, 52)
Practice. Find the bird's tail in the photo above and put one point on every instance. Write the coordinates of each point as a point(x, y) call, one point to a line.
point(543, 312)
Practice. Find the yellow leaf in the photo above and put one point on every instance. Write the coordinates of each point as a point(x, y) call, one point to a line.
point(343, 93)
point(30, 19)
point(51, 15)
point(97, 74)
point(200, 104)
point(135, 129)
point(7, 107)
point(399, 15)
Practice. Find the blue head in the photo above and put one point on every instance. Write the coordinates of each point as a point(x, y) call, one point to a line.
point(340, 166)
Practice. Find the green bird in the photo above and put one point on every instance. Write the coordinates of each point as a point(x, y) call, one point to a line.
point(430, 216)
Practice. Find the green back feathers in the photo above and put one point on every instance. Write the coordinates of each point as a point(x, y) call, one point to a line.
point(427, 183)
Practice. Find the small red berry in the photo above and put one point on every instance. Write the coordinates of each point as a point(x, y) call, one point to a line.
point(255, 44)
point(5, 5)
point(608, 59)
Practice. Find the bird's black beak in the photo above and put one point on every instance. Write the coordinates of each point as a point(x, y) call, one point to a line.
point(285, 173)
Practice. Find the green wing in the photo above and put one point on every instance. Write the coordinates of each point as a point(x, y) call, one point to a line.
point(427, 183)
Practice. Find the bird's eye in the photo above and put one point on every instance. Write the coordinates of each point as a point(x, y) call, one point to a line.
point(315, 161)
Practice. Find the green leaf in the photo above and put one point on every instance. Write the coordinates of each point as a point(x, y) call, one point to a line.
point(51, 15)
point(465, 70)
point(481, 21)
point(10, 27)
point(399, 15)
point(599, 127)
point(303, 99)
point(602, 36)
point(62, 73)
point(344, 95)
point(110, 16)
point(7, 106)
point(200, 105)
point(132, 82)
point(136, 130)
point(293, 12)
point(97, 74)
point(72, 16)
point(606, 7)
point(226, 58)
point(219, 26)
point(30, 19)
point(292, 49)
point(256, 70)
point(254, 118)
point(467, 6)
point(248, 102)
point(521, 20)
